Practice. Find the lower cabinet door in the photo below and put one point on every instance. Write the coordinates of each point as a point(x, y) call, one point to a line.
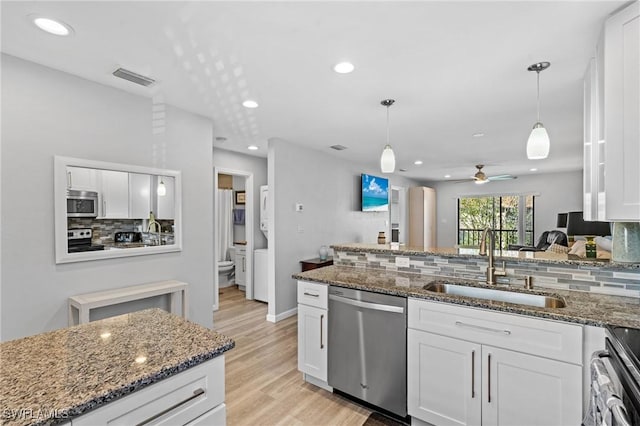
point(520, 389)
point(312, 341)
point(443, 379)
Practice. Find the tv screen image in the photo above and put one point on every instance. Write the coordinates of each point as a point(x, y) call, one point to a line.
point(375, 194)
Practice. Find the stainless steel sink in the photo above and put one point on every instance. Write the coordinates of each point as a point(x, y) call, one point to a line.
point(497, 295)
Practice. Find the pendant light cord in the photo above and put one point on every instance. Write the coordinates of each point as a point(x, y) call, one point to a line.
point(538, 74)
point(388, 124)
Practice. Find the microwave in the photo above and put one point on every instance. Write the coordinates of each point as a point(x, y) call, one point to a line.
point(82, 203)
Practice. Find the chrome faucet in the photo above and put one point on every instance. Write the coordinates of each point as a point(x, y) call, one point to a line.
point(491, 269)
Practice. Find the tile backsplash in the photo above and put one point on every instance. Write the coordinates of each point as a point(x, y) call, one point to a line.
point(104, 229)
point(622, 282)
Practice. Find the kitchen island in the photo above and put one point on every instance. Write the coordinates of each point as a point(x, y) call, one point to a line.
point(134, 360)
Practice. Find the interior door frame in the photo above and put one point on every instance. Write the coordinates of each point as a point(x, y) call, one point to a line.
point(249, 225)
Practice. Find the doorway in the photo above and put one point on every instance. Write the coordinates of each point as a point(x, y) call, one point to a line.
point(233, 211)
point(398, 214)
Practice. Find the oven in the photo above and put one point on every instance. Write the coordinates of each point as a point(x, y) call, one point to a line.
point(615, 380)
point(82, 203)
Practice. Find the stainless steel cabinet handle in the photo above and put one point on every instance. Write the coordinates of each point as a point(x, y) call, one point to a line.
point(367, 305)
point(312, 295)
point(69, 182)
point(489, 378)
point(196, 393)
point(473, 374)
point(479, 327)
point(321, 342)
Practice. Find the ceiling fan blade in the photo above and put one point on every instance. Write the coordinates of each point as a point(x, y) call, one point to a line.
point(502, 177)
point(461, 180)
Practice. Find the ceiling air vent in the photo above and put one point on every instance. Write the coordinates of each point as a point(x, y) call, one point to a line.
point(338, 147)
point(133, 77)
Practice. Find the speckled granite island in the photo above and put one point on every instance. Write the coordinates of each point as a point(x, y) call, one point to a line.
point(136, 360)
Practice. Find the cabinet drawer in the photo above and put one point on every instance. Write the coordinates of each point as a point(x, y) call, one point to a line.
point(215, 417)
point(313, 294)
point(175, 400)
point(550, 339)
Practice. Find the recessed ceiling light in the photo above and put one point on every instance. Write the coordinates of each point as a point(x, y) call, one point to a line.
point(52, 26)
point(249, 103)
point(344, 68)
point(478, 135)
point(252, 147)
point(533, 170)
point(417, 162)
point(447, 176)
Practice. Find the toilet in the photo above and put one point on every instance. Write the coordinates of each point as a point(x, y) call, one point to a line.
point(226, 269)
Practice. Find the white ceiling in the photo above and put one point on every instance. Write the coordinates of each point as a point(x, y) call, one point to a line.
point(454, 69)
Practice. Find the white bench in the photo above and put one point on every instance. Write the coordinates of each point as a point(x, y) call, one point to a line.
point(85, 302)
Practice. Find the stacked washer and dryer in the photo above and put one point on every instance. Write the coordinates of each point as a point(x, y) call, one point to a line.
point(260, 255)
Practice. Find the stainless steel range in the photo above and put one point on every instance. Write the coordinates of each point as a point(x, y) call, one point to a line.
point(79, 240)
point(615, 386)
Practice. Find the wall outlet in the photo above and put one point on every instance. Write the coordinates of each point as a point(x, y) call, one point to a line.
point(402, 262)
point(299, 207)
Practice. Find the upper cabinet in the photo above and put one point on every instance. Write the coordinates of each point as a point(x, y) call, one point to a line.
point(612, 121)
point(115, 194)
point(81, 178)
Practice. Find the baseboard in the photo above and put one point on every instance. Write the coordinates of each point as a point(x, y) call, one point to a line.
point(317, 382)
point(283, 315)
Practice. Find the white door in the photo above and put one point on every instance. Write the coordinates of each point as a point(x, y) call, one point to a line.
point(241, 265)
point(115, 194)
point(443, 379)
point(312, 341)
point(525, 390)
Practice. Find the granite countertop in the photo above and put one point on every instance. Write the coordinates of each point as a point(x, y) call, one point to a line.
point(581, 307)
point(52, 377)
point(507, 255)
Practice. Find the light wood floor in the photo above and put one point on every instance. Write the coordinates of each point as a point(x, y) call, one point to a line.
point(263, 384)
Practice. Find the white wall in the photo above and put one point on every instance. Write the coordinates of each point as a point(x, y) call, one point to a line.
point(46, 113)
point(329, 189)
point(225, 159)
point(557, 193)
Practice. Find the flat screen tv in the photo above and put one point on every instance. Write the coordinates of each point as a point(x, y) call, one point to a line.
point(375, 194)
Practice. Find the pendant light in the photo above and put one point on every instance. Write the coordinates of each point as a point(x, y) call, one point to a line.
point(388, 158)
point(162, 189)
point(538, 143)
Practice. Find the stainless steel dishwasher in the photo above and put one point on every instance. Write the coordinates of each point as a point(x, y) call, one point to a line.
point(368, 347)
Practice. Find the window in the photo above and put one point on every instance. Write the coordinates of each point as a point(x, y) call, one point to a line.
point(510, 216)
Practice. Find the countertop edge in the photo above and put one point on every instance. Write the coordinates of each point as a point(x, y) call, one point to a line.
point(468, 302)
point(127, 389)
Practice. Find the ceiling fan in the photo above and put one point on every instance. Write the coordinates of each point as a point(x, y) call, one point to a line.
point(480, 177)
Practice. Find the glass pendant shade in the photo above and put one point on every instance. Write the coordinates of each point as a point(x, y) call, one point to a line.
point(387, 160)
point(162, 189)
point(538, 143)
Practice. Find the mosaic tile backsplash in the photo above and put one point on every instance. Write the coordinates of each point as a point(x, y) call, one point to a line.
point(623, 282)
point(103, 229)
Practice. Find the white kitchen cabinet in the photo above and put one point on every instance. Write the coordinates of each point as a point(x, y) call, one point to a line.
point(443, 379)
point(166, 203)
point(139, 196)
point(114, 192)
point(520, 389)
point(622, 114)
point(194, 396)
point(471, 366)
point(81, 178)
point(241, 265)
point(312, 330)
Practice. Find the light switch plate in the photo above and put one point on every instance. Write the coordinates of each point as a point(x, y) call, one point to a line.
point(402, 262)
